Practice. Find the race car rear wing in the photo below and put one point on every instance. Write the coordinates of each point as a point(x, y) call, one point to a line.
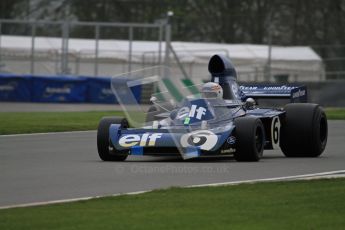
point(292, 92)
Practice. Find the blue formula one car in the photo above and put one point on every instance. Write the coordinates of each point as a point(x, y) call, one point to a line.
point(221, 118)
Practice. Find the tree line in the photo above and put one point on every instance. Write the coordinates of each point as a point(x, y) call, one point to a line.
point(291, 22)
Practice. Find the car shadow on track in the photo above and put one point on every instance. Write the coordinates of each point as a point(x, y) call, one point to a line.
point(179, 159)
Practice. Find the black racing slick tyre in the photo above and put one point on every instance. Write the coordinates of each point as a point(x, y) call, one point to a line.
point(250, 139)
point(304, 131)
point(105, 151)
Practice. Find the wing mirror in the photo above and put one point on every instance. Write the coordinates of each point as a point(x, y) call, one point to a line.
point(153, 99)
point(173, 114)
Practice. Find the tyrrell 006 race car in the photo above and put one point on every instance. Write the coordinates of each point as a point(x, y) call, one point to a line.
point(217, 118)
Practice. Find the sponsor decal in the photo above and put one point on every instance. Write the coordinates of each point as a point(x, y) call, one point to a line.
point(275, 132)
point(182, 113)
point(146, 139)
point(204, 139)
point(106, 91)
point(186, 121)
point(10, 86)
point(274, 112)
point(6, 88)
point(193, 112)
point(248, 87)
point(197, 112)
point(299, 93)
point(283, 87)
point(227, 151)
point(231, 140)
point(64, 90)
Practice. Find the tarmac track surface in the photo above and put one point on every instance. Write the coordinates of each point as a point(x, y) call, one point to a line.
point(47, 167)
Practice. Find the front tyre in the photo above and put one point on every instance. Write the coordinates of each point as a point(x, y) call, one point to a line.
point(105, 151)
point(304, 131)
point(250, 139)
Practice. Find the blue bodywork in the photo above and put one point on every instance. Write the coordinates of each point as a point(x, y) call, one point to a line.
point(180, 124)
point(213, 133)
point(203, 126)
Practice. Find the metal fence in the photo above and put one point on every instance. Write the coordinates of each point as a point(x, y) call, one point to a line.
point(333, 57)
point(64, 59)
point(99, 61)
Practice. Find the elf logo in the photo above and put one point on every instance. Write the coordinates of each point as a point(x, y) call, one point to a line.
point(199, 112)
point(194, 111)
point(146, 139)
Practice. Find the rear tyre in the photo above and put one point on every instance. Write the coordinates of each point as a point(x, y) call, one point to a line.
point(250, 139)
point(304, 131)
point(105, 151)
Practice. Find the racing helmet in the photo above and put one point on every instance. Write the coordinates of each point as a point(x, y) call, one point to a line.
point(212, 90)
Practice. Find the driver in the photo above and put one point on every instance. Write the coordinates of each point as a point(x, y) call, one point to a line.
point(212, 90)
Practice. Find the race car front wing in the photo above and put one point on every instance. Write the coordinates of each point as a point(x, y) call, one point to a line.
point(188, 143)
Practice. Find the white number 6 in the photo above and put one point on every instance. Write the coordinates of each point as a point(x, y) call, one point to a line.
point(275, 132)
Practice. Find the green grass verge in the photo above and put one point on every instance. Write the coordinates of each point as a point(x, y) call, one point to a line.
point(36, 122)
point(317, 204)
point(335, 113)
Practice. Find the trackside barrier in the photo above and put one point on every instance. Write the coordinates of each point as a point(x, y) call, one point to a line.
point(59, 89)
point(67, 89)
point(99, 90)
point(15, 88)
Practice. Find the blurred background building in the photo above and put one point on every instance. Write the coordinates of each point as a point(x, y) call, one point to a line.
point(268, 41)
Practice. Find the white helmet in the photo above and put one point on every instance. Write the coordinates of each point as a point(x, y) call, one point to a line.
point(212, 90)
